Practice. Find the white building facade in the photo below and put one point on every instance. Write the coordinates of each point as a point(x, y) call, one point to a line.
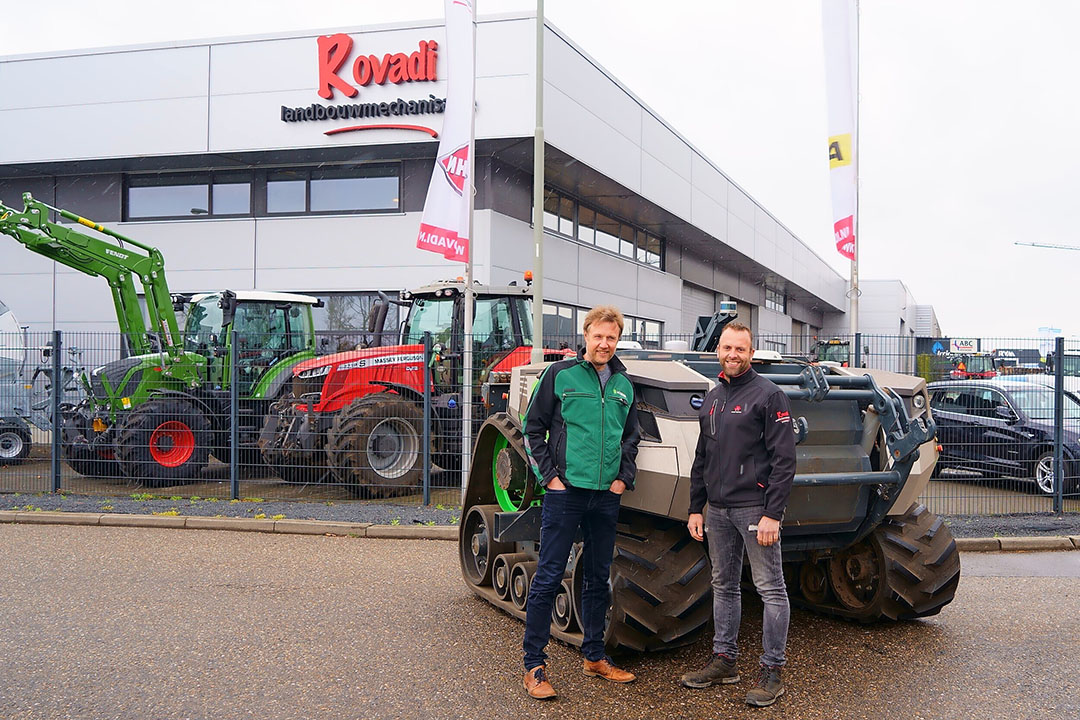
point(300, 163)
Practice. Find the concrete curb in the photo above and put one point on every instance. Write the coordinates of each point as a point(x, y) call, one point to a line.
point(409, 532)
point(236, 524)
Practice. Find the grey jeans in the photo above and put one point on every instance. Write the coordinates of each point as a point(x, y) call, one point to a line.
point(727, 534)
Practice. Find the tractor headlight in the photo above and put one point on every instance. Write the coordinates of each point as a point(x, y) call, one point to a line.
point(314, 372)
point(918, 401)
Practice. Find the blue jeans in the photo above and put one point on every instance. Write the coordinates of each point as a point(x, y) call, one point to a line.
point(564, 511)
point(727, 533)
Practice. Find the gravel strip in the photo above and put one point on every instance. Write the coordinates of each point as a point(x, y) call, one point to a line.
point(379, 513)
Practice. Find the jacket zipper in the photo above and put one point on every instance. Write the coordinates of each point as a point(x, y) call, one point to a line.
point(600, 466)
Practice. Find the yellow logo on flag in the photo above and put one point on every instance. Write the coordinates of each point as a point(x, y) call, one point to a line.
point(839, 150)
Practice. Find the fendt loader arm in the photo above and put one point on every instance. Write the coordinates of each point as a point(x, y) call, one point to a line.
point(119, 263)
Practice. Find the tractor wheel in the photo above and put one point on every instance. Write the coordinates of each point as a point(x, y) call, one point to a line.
point(661, 586)
point(164, 442)
point(15, 444)
point(478, 550)
point(907, 568)
point(375, 445)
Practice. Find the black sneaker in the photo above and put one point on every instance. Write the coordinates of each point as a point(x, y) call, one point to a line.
point(768, 687)
point(720, 670)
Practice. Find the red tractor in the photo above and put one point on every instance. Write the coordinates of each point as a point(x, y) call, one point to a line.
point(356, 417)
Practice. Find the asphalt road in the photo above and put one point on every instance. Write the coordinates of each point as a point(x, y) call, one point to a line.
point(161, 624)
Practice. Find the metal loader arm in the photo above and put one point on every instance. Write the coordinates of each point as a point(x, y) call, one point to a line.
point(115, 262)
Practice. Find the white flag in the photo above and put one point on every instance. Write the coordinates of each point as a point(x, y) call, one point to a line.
point(839, 20)
point(444, 228)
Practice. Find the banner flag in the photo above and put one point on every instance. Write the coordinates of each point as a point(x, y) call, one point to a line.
point(839, 21)
point(444, 227)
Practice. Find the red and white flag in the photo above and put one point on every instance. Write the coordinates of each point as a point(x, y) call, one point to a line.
point(444, 227)
point(839, 21)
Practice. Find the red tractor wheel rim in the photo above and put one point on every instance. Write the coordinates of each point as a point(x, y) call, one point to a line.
point(172, 444)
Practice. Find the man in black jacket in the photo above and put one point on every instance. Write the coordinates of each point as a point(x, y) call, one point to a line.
point(743, 468)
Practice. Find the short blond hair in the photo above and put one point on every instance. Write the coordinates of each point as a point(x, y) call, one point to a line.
point(604, 313)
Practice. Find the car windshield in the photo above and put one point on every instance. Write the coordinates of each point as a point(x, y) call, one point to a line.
point(979, 363)
point(1038, 404)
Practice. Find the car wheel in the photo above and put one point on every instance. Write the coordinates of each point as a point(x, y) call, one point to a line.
point(1044, 473)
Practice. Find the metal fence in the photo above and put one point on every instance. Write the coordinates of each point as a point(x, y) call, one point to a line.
point(245, 419)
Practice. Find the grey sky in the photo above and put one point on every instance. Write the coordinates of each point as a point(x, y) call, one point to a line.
point(969, 119)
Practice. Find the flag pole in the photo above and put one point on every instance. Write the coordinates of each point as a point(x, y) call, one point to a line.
point(855, 292)
point(469, 296)
point(538, 195)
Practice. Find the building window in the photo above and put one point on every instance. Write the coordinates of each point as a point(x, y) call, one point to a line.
point(647, 332)
point(186, 195)
point(560, 325)
point(569, 218)
point(775, 300)
point(558, 214)
point(289, 191)
point(359, 188)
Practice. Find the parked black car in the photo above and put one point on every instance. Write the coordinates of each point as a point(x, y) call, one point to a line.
point(1002, 426)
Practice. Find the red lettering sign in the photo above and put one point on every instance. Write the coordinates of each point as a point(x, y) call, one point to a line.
point(844, 230)
point(334, 50)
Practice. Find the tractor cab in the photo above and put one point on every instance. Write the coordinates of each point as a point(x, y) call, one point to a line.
point(268, 328)
point(835, 352)
point(502, 316)
point(502, 325)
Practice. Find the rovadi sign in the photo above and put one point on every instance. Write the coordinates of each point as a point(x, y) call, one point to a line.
point(444, 227)
point(342, 72)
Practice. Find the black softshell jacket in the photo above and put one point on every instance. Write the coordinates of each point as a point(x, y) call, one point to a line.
point(746, 449)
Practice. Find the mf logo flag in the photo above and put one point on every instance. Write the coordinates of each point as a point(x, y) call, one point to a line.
point(839, 19)
point(444, 227)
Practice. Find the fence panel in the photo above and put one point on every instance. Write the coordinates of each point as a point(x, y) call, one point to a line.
point(365, 430)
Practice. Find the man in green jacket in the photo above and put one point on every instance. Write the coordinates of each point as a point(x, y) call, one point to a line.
point(581, 435)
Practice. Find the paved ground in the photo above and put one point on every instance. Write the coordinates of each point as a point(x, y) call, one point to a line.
point(140, 623)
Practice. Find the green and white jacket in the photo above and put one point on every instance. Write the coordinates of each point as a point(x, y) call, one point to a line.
point(585, 435)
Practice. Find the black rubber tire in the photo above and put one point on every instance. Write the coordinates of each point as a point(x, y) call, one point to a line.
point(15, 444)
point(374, 445)
point(922, 564)
point(164, 463)
point(661, 585)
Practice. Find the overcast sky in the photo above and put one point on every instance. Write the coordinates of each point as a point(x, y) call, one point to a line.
point(970, 119)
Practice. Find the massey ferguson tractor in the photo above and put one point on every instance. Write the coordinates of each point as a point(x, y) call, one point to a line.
point(155, 416)
point(356, 417)
point(856, 543)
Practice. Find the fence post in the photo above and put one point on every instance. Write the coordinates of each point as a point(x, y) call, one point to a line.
point(857, 360)
point(427, 418)
point(1059, 425)
point(55, 397)
point(234, 421)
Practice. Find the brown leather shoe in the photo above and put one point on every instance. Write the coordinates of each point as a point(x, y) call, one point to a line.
point(607, 670)
point(537, 685)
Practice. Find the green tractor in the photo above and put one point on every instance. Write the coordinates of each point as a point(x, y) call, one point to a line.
point(157, 414)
